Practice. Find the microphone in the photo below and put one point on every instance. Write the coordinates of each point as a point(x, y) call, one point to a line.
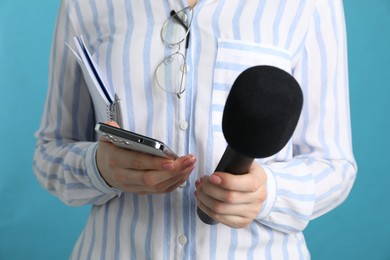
point(260, 116)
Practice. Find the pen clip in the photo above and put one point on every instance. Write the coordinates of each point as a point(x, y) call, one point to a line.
point(115, 110)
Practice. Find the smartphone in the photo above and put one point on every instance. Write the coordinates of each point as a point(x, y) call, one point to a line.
point(134, 141)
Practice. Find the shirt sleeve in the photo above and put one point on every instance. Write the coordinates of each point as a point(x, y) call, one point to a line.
point(322, 171)
point(64, 159)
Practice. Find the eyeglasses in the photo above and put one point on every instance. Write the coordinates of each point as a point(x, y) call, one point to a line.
point(171, 73)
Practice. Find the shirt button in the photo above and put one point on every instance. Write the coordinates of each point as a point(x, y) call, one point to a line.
point(183, 125)
point(183, 240)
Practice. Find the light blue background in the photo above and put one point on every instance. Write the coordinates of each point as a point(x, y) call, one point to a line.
point(35, 225)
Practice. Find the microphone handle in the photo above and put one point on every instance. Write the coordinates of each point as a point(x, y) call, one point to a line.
point(231, 162)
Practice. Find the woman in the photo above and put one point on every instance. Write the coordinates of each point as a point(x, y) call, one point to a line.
point(172, 63)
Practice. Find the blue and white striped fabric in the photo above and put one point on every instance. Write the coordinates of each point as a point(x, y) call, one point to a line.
point(312, 175)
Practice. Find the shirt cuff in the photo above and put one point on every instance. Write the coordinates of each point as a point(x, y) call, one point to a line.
point(271, 187)
point(93, 172)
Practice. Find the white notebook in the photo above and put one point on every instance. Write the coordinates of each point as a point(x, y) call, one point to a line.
point(106, 104)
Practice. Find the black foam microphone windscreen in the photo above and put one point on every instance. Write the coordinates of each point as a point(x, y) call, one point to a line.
point(261, 111)
point(260, 115)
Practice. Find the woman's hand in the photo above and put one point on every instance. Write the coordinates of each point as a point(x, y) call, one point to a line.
point(233, 200)
point(141, 173)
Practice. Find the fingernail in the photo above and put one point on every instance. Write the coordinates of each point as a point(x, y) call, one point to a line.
point(168, 166)
point(199, 181)
point(188, 162)
point(215, 179)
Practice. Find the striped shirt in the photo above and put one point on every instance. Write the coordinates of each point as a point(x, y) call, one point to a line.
point(310, 176)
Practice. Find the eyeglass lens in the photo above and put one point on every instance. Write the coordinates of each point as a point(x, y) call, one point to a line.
point(171, 73)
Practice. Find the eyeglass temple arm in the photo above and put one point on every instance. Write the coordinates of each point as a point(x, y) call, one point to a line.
point(177, 18)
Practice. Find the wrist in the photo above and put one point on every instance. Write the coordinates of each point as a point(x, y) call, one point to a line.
point(270, 200)
point(94, 174)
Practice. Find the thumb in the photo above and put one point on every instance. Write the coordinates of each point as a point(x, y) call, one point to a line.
point(112, 123)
